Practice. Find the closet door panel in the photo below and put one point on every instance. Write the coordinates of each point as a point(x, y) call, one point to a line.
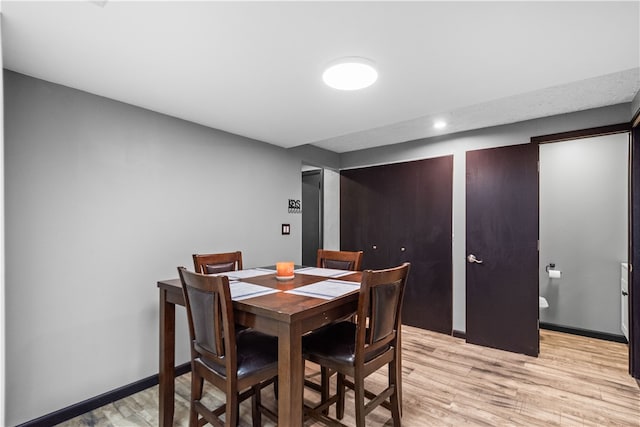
point(402, 213)
point(364, 215)
point(421, 234)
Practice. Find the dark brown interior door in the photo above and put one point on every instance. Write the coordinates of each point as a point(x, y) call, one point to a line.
point(311, 216)
point(402, 212)
point(502, 234)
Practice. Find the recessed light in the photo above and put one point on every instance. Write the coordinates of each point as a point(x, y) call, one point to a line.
point(350, 73)
point(440, 124)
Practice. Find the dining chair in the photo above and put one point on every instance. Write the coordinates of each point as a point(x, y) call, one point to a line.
point(340, 260)
point(240, 363)
point(217, 263)
point(356, 350)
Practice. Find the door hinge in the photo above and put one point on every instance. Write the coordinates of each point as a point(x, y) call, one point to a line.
point(538, 245)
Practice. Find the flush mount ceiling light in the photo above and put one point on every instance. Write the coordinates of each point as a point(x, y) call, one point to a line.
point(350, 73)
point(440, 124)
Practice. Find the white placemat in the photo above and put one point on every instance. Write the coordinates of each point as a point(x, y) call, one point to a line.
point(324, 272)
point(244, 290)
point(327, 289)
point(245, 274)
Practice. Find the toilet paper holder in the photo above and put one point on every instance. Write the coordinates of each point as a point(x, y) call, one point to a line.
point(552, 272)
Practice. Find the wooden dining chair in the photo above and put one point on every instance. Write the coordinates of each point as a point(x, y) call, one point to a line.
point(340, 260)
point(356, 350)
point(217, 263)
point(238, 363)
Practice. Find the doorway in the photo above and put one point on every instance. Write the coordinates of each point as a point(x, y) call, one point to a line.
point(484, 185)
point(584, 234)
point(312, 208)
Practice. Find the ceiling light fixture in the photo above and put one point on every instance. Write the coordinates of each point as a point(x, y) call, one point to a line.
point(350, 73)
point(440, 124)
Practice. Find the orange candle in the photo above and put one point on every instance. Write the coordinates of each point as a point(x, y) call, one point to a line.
point(284, 269)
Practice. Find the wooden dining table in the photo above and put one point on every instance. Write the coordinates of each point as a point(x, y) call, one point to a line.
point(284, 315)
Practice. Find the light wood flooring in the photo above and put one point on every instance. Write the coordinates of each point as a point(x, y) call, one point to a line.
point(575, 381)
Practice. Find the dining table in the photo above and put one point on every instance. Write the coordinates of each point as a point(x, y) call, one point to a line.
point(287, 309)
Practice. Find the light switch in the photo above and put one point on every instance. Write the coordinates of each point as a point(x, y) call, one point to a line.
point(286, 229)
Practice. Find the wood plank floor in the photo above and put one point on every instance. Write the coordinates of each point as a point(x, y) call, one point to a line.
point(576, 381)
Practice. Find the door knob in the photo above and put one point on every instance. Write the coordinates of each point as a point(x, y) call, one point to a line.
point(472, 259)
point(402, 249)
point(374, 247)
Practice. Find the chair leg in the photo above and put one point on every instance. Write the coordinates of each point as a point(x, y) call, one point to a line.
point(275, 388)
point(324, 387)
point(340, 389)
point(255, 406)
point(395, 396)
point(358, 383)
point(197, 384)
point(231, 416)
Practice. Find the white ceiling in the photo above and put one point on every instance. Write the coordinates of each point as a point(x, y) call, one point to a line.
point(254, 68)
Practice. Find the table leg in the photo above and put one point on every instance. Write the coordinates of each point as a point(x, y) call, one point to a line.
point(290, 375)
point(166, 385)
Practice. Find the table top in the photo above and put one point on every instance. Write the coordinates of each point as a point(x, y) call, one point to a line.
point(282, 306)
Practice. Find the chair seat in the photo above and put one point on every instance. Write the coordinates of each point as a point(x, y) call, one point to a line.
point(336, 342)
point(255, 352)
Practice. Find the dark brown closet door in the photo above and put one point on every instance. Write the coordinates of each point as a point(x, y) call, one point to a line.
point(410, 220)
point(364, 215)
point(421, 231)
point(502, 233)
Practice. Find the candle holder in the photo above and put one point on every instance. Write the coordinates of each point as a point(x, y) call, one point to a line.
point(284, 271)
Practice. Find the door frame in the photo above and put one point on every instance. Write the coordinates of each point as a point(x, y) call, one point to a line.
point(634, 226)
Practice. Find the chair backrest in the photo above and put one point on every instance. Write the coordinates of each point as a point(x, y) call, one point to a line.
point(210, 317)
point(340, 260)
point(217, 263)
point(379, 309)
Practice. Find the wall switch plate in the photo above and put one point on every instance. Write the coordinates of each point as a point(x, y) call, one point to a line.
point(286, 229)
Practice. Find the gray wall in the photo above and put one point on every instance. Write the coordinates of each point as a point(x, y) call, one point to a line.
point(584, 195)
point(104, 199)
point(331, 209)
point(458, 145)
point(329, 162)
point(315, 156)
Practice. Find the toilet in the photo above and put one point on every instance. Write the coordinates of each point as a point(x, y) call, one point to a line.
point(543, 303)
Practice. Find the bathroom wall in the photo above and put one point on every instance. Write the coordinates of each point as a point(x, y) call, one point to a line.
point(583, 230)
